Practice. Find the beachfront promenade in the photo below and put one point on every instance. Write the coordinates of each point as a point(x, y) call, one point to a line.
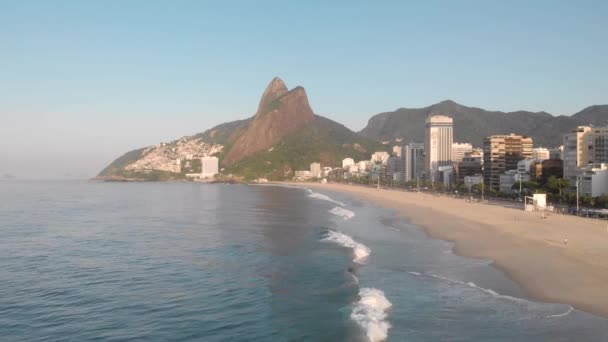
point(554, 257)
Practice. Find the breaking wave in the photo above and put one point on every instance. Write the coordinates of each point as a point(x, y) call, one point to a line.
point(370, 313)
point(344, 213)
point(323, 197)
point(360, 251)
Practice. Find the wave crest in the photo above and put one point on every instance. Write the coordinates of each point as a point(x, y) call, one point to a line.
point(323, 197)
point(370, 313)
point(360, 251)
point(344, 213)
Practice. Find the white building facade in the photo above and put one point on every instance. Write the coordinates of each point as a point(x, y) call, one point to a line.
point(209, 167)
point(346, 162)
point(459, 150)
point(315, 170)
point(437, 145)
point(540, 153)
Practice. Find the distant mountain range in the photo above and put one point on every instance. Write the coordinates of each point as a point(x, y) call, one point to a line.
point(285, 135)
point(474, 124)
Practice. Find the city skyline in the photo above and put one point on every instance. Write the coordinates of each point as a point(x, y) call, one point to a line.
point(141, 73)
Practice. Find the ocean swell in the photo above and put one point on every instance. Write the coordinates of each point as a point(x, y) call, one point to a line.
point(370, 313)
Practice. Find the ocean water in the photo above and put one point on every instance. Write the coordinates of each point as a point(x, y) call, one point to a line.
point(90, 261)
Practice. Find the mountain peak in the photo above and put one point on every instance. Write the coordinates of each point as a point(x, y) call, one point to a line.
point(275, 89)
point(281, 113)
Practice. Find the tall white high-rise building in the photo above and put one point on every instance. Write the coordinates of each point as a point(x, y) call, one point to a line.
point(209, 167)
point(437, 145)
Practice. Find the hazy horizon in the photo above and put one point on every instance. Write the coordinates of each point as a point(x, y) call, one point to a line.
point(84, 83)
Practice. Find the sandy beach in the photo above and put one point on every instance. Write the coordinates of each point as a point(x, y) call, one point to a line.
point(529, 248)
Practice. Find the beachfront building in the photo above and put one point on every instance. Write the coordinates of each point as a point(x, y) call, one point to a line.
point(353, 169)
point(551, 167)
point(437, 145)
point(315, 170)
point(557, 153)
point(470, 166)
point(469, 181)
point(397, 150)
point(346, 162)
point(501, 153)
point(508, 179)
point(412, 159)
point(445, 175)
point(524, 166)
point(380, 157)
point(393, 170)
point(540, 153)
point(303, 175)
point(459, 150)
point(209, 167)
point(584, 146)
point(364, 166)
point(575, 153)
point(593, 180)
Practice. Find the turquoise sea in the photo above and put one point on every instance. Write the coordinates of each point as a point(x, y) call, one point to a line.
point(93, 261)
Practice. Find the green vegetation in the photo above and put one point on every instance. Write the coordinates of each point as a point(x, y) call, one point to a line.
point(149, 175)
point(191, 166)
point(119, 164)
point(324, 141)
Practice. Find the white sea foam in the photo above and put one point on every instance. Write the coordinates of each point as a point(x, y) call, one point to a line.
point(344, 213)
point(360, 251)
point(324, 197)
point(370, 313)
point(475, 286)
point(562, 314)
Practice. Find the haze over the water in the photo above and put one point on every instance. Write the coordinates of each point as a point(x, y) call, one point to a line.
point(83, 82)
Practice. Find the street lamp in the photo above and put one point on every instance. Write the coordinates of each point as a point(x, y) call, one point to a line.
point(578, 180)
point(519, 176)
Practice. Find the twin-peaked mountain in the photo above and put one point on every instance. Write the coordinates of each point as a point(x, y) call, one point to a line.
point(285, 135)
point(281, 112)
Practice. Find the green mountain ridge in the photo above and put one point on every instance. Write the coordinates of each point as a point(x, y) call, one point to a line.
point(324, 141)
point(474, 124)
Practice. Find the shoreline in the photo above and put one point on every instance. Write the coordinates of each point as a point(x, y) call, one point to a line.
point(529, 249)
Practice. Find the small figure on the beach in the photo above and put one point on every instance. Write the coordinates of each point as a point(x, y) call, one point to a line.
point(565, 241)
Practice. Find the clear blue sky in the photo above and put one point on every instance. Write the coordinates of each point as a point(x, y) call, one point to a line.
point(81, 82)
